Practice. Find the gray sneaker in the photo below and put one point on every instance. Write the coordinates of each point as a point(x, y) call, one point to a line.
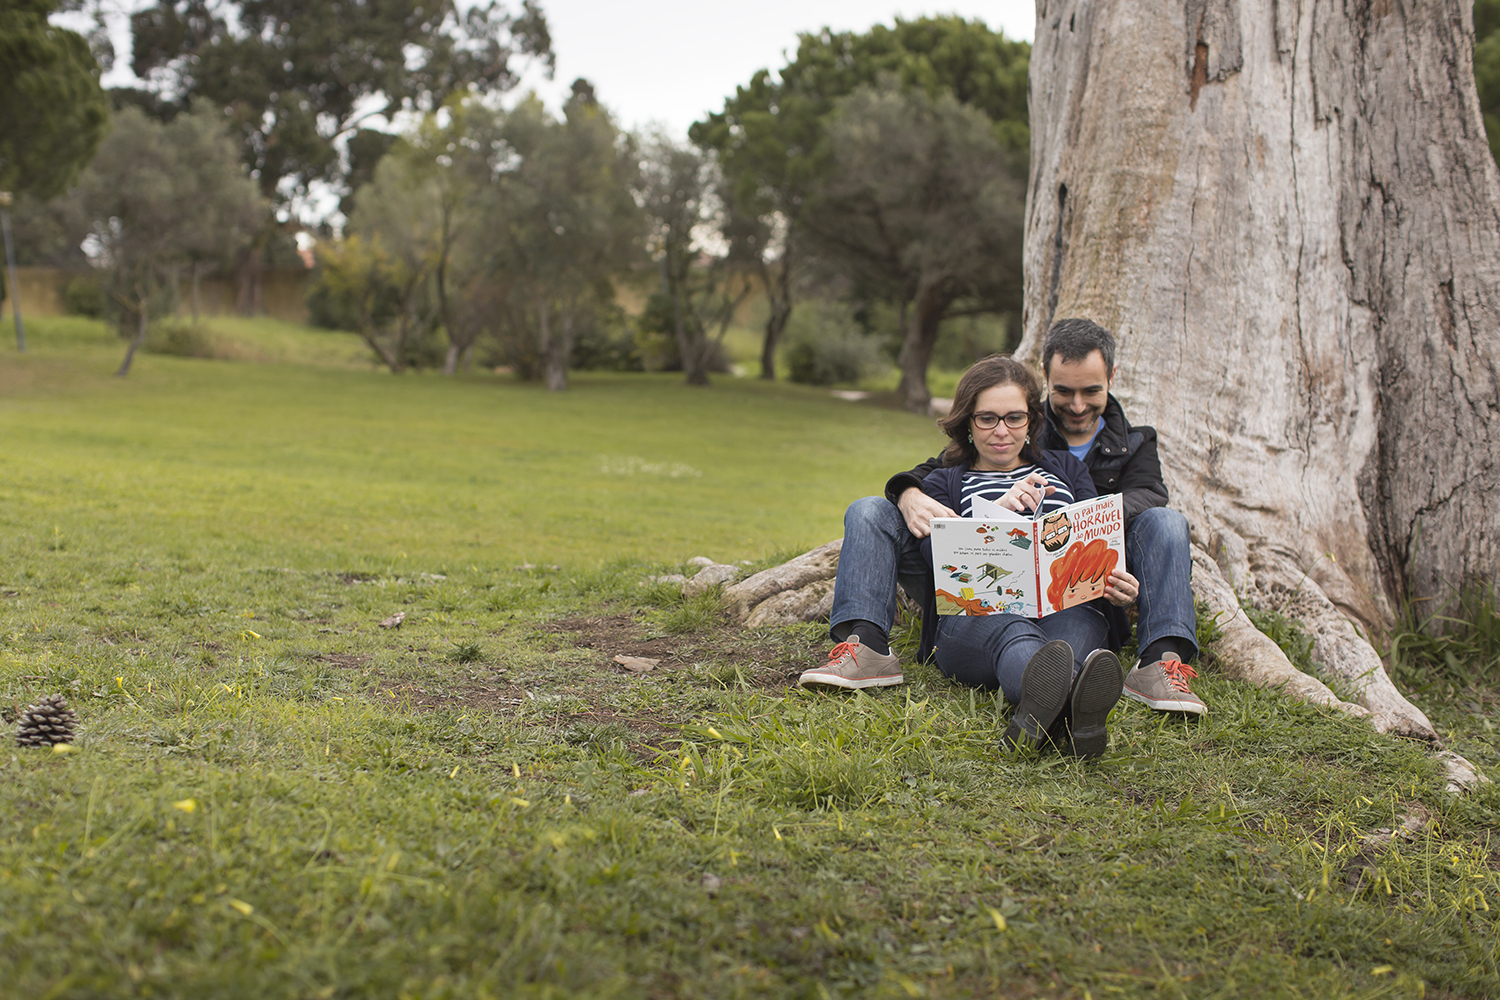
point(1163, 685)
point(852, 665)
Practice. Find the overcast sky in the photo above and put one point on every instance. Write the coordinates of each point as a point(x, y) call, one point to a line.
point(672, 61)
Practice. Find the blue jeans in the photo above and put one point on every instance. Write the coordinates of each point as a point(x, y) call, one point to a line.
point(993, 650)
point(1156, 553)
point(878, 551)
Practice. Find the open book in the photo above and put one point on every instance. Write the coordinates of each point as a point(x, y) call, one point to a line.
point(1003, 562)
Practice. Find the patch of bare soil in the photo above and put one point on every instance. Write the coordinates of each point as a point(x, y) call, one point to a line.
point(584, 705)
point(762, 666)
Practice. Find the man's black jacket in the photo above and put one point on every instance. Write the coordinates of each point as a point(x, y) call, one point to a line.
point(1122, 460)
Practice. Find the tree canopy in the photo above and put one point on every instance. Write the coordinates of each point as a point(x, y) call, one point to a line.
point(774, 137)
point(298, 75)
point(483, 220)
point(54, 112)
point(158, 196)
point(920, 211)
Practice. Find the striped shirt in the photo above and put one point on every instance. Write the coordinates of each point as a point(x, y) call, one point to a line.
point(994, 485)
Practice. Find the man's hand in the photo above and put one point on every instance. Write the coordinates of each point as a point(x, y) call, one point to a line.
point(919, 509)
point(1121, 589)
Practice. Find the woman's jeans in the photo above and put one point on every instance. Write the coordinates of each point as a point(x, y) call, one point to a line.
point(878, 551)
point(990, 650)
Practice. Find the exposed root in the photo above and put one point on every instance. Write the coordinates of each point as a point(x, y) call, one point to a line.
point(1338, 645)
point(1248, 654)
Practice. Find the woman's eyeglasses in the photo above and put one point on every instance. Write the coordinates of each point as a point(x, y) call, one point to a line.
point(988, 421)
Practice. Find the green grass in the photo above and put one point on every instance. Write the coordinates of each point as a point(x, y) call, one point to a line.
point(270, 795)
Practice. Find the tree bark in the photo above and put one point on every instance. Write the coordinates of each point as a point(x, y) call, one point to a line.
point(1287, 212)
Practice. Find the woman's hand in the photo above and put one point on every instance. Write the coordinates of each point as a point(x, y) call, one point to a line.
point(1121, 589)
point(1027, 494)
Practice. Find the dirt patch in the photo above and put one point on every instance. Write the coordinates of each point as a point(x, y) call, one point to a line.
point(612, 634)
point(765, 666)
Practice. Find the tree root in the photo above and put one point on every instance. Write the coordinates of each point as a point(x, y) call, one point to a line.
point(1248, 654)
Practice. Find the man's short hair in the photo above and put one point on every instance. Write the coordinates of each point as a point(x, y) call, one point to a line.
point(1076, 339)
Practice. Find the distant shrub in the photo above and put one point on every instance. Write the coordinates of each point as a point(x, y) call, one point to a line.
point(328, 309)
point(656, 338)
point(606, 342)
point(84, 296)
point(179, 338)
point(823, 345)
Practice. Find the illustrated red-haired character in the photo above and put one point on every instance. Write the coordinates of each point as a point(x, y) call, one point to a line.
point(1081, 573)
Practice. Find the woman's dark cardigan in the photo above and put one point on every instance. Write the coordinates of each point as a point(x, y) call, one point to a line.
point(944, 486)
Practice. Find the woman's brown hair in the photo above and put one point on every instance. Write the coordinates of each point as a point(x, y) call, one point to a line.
point(986, 373)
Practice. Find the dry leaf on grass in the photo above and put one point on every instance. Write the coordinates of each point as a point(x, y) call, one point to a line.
point(636, 664)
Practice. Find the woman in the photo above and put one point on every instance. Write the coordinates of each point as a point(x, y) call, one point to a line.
point(1059, 670)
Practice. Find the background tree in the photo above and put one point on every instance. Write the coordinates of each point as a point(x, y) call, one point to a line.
point(704, 275)
point(920, 207)
point(1290, 216)
point(299, 77)
point(54, 113)
point(771, 138)
point(401, 233)
point(565, 220)
point(52, 116)
point(380, 290)
point(155, 195)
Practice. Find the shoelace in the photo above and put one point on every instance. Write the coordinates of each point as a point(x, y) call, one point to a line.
point(1178, 674)
point(849, 649)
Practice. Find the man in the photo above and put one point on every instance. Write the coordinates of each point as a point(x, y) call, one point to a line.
point(882, 535)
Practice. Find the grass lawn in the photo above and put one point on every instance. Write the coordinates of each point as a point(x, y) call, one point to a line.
point(271, 795)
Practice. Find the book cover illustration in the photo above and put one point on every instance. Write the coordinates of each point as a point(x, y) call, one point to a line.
point(1009, 563)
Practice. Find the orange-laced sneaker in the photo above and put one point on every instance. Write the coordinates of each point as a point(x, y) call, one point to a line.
point(852, 665)
point(1163, 685)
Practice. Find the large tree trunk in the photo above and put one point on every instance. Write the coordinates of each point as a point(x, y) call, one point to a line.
point(142, 314)
point(248, 296)
point(558, 350)
point(778, 281)
point(920, 337)
point(1287, 212)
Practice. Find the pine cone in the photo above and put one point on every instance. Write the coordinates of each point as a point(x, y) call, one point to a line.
point(48, 722)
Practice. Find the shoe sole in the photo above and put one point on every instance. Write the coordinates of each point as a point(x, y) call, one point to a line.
point(1044, 693)
point(811, 677)
point(1166, 704)
point(1095, 693)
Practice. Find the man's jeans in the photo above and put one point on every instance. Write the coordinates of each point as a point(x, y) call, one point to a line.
point(1157, 554)
point(878, 550)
